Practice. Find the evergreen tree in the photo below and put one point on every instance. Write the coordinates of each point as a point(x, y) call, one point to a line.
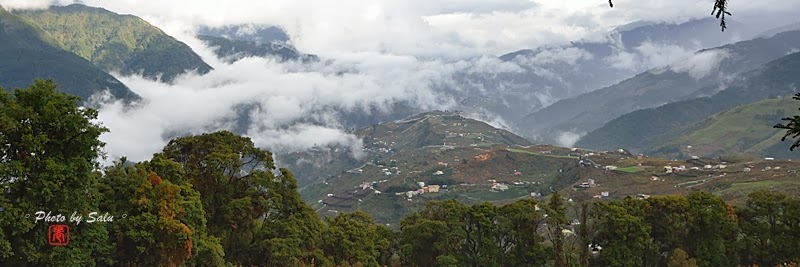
point(48, 152)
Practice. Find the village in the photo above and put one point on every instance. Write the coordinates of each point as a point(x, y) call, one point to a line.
point(442, 156)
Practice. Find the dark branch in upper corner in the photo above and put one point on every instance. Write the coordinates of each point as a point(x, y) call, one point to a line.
point(720, 11)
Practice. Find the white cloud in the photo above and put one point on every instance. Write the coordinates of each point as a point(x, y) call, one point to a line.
point(25, 4)
point(702, 64)
point(292, 106)
point(377, 53)
point(567, 139)
point(662, 57)
point(453, 28)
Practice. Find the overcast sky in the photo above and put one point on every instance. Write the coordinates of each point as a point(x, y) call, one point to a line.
point(389, 51)
point(453, 28)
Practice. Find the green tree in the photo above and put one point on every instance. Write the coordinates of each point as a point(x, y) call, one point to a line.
point(48, 152)
point(254, 208)
point(355, 238)
point(768, 225)
point(713, 230)
point(434, 235)
point(586, 232)
point(519, 224)
point(668, 217)
point(679, 258)
point(792, 127)
point(557, 223)
point(623, 233)
point(165, 223)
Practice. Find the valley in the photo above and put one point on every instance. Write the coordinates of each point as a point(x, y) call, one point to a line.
point(397, 133)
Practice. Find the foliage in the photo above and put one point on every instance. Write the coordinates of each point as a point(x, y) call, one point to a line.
point(218, 200)
point(354, 238)
point(792, 127)
point(47, 162)
point(624, 234)
point(557, 222)
point(770, 223)
point(114, 42)
point(165, 223)
point(450, 233)
point(679, 258)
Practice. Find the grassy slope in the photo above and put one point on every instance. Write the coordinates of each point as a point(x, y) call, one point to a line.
point(28, 53)
point(744, 129)
point(650, 128)
point(116, 42)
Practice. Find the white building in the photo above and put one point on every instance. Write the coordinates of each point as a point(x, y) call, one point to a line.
point(499, 187)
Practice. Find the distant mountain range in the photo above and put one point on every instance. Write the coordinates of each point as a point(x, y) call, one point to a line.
point(658, 130)
point(704, 74)
point(262, 34)
point(553, 73)
point(232, 50)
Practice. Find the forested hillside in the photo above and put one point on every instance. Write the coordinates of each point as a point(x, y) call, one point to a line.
point(27, 52)
point(118, 43)
point(217, 200)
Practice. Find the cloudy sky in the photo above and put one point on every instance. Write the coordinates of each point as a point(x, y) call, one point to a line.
point(432, 27)
point(389, 50)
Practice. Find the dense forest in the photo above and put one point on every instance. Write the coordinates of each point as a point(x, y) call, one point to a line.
point(217, 200)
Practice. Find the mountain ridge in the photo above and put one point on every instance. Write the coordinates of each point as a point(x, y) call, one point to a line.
point(117, 43)
point(655, 87)
point(29, 53)
point(777, 78)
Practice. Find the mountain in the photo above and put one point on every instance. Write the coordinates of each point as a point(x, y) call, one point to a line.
point(27, 53)
point(743, 130)
point(421, 131)
point(116, 43)
point(234, 42)
point(786, 28)
point(547, 74)
point(232, 50)
point(647, 129)
point(443, 155)
point(703, 74)
point(261, 34)
point(441, 148)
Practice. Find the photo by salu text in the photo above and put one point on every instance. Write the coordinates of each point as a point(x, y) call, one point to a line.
point(75, 217)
